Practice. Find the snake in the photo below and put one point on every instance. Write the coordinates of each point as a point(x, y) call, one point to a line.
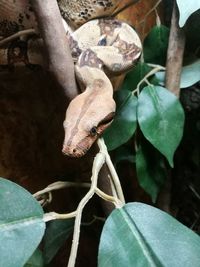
point(101, 48)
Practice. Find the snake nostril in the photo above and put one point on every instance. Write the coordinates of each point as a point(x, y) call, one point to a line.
point(74, 150)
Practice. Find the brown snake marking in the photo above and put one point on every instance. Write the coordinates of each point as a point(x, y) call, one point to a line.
point(100, 48)
point(87, 103)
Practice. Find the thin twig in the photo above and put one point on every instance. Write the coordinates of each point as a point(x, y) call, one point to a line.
point(121, 9)
point(194, 192)
point(150, 11)
point(143, 21)
point(156, 66)
point(17, 35)
point(112, 170)
point(58, 186)
point(149, 74)
point(56, 216)
point(114, 193)
point(108, 198)
point(98, 163)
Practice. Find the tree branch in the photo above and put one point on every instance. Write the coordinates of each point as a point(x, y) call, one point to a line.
point(172, 82)
point(175, 54)
point(60, 62)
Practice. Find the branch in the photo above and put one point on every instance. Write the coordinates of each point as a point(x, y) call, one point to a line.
point(17, 35)
point(60, 62)
point(175, 54)
point(172, 82)
point(112, 170)
point(101, 158)
point(156, 68)
point(59, 185)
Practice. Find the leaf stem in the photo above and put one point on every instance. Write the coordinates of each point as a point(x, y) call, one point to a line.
point(57, 216)
point(59, 185)
point(149, 74)
point(118, 198)
point(112, 170)
point(97, 164)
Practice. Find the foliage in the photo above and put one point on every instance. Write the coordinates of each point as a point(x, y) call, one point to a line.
point(157, 110)
point(155, 45)
point(21, 224)
point(141, 235)
point(190, 75)
point(150, 169)
point(159, 115)
point(134, 234)
point(124, 124)
point(36, 260)
point(56, 234)
point(145, 235)
point(186, 10)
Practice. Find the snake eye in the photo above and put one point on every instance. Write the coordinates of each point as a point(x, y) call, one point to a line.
point(93, 131)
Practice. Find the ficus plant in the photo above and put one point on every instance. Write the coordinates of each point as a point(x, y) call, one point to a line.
point(134, 234)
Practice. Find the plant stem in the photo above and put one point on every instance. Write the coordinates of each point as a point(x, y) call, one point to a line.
point(58, 186)
point(97, 164)
point(112, 170)
point(175, 54)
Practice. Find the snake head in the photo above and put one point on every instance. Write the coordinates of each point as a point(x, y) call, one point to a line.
point(86, 119)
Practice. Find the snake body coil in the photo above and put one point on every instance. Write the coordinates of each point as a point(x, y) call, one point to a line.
point(101, 48)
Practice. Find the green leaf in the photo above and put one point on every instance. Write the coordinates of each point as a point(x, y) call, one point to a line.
point(124, 124)
point(150, 168)
point(142, 236)
point(36, 260)
point(186, 9)
point(161, 119)
point(21, 224)
point(56, 234)
point(190, 75)
point(135, 76)
point(124, 153)
point(155, 45)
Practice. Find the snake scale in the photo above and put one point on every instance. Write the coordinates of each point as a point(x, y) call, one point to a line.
point(101, 48)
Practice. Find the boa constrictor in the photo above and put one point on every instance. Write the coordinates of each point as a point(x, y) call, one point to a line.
point(101, 48)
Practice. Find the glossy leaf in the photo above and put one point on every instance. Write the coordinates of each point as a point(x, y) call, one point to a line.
point(186, 9)
point(150, 169)
point(56, 234)
point(140, 235)
point(36, 260)
point(161, 119)
point(155, 45)
point(134, 76)
point(190, 75)
point(124, 124)
point(21, 224)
